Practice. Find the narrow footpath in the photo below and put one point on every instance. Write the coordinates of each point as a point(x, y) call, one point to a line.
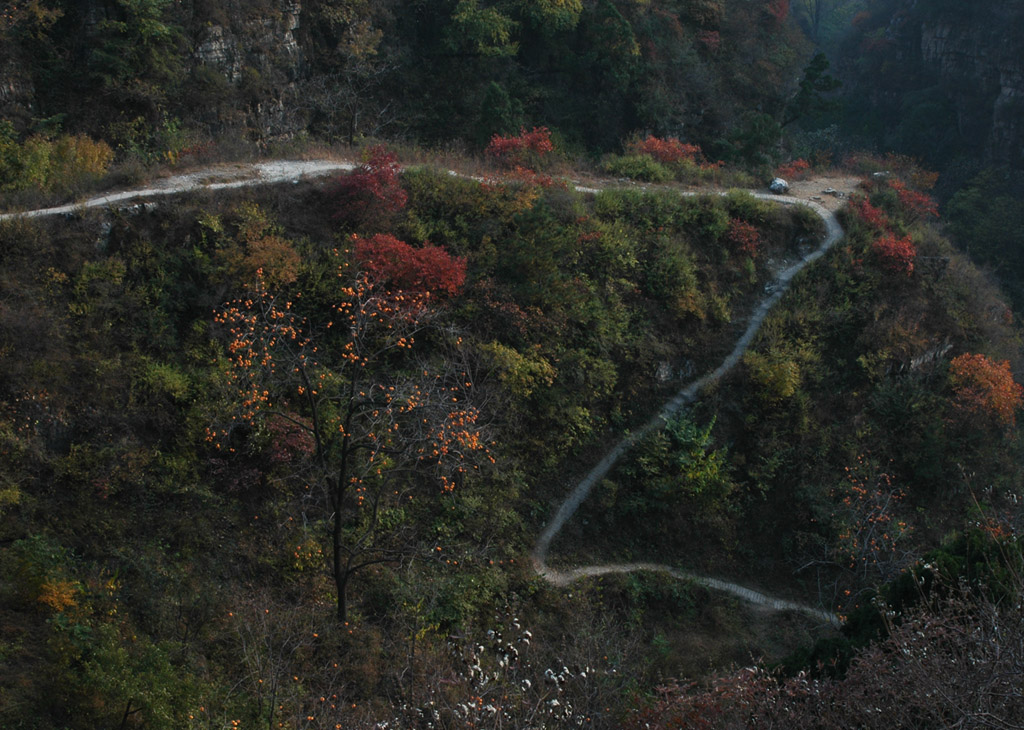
point(216, 177)
point(686, 396)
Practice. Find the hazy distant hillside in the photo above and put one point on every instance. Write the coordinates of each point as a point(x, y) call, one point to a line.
point(943, 81)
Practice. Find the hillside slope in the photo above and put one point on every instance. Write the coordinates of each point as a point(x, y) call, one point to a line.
point(167, 511)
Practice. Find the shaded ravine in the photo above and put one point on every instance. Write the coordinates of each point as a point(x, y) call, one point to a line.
point(279, 171)
point(568, 507)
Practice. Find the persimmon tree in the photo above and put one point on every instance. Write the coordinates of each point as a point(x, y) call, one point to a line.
point(387, 422)
point(870, 545)
point(870, 534)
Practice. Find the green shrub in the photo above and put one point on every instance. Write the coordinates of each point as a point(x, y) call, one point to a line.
point(775, 376)
point(40, 575)
point(647, 210)
point(745, 206)
point(671, 271)
point(163, 380)
point(50, 165)
point(112, 674)
point(637, 167)
point(675, 472)
point(520, 375)
point(712, 220)
point(148, 143)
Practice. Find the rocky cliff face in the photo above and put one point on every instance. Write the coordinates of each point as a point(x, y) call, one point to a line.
point(239, 61)
point(262, 43)
point(980, 62)
point(258, 55)
point(16, 92)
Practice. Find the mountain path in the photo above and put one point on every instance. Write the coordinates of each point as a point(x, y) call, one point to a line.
point(216, 177)
point(238, 175)
point(687, 395)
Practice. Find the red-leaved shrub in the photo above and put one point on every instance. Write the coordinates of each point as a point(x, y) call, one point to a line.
point(871, 215)
point(371, 191)
point(778, 10)
point(895, 254)
point(794, 170)
point(522, 150)
point(917, 204)
point(667, 150)
point(743, 236)
point(711, 39)
point(394, 264)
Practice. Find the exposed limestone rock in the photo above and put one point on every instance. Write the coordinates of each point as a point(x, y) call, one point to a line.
point(16, 92)
point(218, 49)
point(261, 54)
point(263, 43)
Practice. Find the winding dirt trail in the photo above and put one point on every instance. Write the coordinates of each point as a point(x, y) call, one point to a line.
point(238, 175)
point(565, 578)
point(216, 177)
point(686, 396)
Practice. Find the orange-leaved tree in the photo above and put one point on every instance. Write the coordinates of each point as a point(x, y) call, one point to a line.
point(986, 387)
point(387, 421)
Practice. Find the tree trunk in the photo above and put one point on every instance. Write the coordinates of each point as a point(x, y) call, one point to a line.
point(338, 570)
point(128, 712)
point(341, 572)
point(341, 582)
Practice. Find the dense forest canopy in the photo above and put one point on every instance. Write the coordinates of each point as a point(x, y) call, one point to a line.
point(282, 455)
